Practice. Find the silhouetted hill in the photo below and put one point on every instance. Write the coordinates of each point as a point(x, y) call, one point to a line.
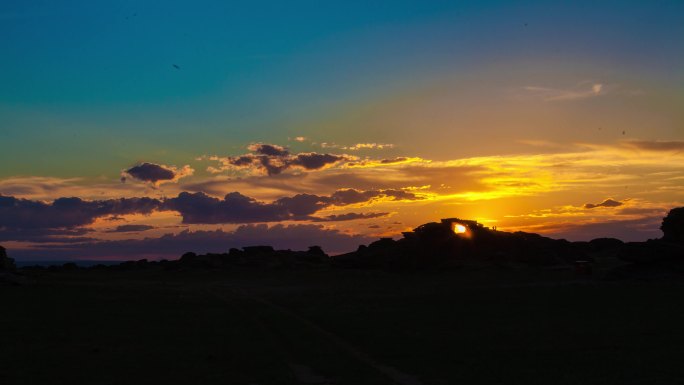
point(455, 242)
point(259, 257)
point(450, 243)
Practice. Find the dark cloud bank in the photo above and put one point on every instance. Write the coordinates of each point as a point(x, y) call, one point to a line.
point(197, 208)
point(18, 213)
point(131, 228)
point(171, 246)
point(62, 221)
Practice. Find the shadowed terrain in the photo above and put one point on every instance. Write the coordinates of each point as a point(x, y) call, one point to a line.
point(451, 302)
point(340, 327)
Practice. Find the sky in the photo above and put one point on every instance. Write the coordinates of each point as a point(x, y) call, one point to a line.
point(144, 129)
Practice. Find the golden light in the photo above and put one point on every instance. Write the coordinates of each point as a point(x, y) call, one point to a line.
point(459, 229)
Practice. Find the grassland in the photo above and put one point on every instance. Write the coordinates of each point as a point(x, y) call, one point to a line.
point(339, 327)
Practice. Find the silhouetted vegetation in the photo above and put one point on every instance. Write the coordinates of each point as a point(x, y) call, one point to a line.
point(673, 226)
point(6, 263)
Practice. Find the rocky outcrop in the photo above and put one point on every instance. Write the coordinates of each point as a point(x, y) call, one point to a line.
point(256, 256)
point(455, 242)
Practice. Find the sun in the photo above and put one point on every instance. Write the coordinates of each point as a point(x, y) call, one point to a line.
point(459, 229)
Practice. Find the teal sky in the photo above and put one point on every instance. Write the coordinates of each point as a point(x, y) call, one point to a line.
point(95, 82)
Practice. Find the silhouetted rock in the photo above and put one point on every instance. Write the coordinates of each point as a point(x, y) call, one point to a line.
point(188, 257)
point(6, 263)
point(70, 266)
point(455, 242)
point(652, 251)
point(316, 250)
point(605, 244)
point(673, 226)
point(255, 256)
point(258, 249)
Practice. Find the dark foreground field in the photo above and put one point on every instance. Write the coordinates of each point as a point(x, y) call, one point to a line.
point(339, 327)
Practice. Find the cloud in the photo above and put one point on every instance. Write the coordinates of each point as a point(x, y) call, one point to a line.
point(656, 146)
point(388, 176)
point(315, 161)
point(199, 208)
point(156, 174)
point(41, 235)
point(131, 228)
point(272, 160)
point(649, 170)
point(233, 208)
point(268, 149)
point(349, 217)
point(352, 196)
point(49, 188)
point(606, 203)
point(368, 163)
point(359, 146)
point(368, 146)
point(21, 219)
point(172, 246)
point(67, 212)
point(303, 205)
point(624, 229)
point(582, 91)
point(32, 186)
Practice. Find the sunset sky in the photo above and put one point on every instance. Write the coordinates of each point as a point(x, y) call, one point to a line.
point(144, 129)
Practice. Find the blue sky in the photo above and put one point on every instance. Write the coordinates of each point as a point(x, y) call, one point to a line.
point(102, 71)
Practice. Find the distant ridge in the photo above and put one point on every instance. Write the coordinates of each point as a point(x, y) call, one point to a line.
point(448, 244)
point(80, 263)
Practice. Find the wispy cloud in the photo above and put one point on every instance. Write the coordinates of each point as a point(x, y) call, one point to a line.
point(581, 91)
point(657, 146)
point(359, 146)
point(369, 146)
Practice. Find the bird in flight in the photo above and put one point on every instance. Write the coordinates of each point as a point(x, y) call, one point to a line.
point(176, 66)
